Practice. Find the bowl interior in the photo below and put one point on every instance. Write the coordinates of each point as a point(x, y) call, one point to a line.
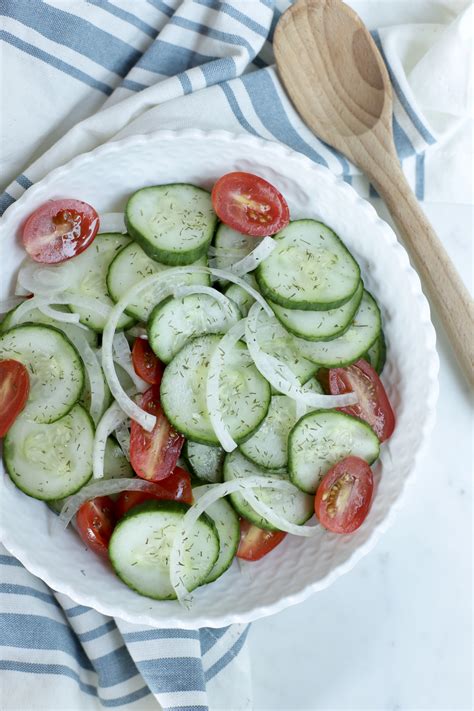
point(105, 178)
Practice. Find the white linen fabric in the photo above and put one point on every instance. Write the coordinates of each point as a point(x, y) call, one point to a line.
point(76, 74)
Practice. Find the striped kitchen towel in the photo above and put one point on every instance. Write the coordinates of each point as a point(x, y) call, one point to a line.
point(78, 73)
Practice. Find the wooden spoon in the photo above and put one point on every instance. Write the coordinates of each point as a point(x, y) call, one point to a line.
point(339, 83)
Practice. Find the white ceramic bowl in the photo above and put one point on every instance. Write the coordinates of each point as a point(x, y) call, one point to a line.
point(299, 566)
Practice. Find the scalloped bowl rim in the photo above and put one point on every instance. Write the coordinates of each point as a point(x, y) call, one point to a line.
point(280, 151)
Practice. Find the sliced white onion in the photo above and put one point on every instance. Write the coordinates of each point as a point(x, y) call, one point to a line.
point(44, 279)
point(59, 299)
point(277, 373)
point(122, 435)
point(110, 420)
point(21, 312)
point(9, 304)
point(21, 291)
point(123, 356)
point(252, 260)
point(64, 316)
point(106, 487)
point(276, 519)
point(213, 493)
point(213, 401)
point(93, 372)
point(112, 222)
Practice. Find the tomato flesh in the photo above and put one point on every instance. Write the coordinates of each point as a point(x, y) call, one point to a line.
point(373, 405)
point(344, 496)
point(177, 487)
point(145, 362)
point(153, 455)
point(95, 522)
point(14, 391)
point(255, 542)
point(249, 204)
point(59, 230)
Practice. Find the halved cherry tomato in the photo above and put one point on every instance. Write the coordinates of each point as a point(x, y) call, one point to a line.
point(373, 404)
point(255, 542)
point(145, 362)
point(177, 487)
point(14, 391)
point(60, 229)
point(153, 455)
point(95, 522)
point(343, 498)
point(249, 204)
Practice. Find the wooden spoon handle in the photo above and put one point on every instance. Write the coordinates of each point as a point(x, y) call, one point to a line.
point(439, 278)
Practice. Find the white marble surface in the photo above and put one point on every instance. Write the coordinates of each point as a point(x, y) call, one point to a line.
point(396, 632)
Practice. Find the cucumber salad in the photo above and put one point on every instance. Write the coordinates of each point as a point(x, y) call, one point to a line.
point(191, 380)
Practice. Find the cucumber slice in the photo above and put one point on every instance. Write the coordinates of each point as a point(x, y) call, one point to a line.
point(173, 223)
point(377, 353)
point(50, 461)
point(268, 447)
point(296, 508)
point(231, 246)
point(205, 462)
point(116, 464)
point(276, 341)
point(353, 343)
point(309, 269)
point(90, 279)
point(36, 316)
point(227, 526)
point(140, 547)
point(174, 322)
point(321, 439)
point(241, 297)
point(132, 265)
point(245, 394)
point(55, 368)
point(319, 325)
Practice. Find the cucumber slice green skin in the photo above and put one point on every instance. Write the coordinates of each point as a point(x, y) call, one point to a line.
point(175, 321)
point(55, 368)
point(204, 461)
point(319, 325)
point(50, 461)
point(183, 392)
point(140, 546)
point(35, 316)
point(131, 266)
point(227, 525)
point(156, 218)
point(322, 438)
point(310, 269)
point(268, 447)
point(91, 267)
point(377, 353)
point(297, 510)
point(353, 343)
